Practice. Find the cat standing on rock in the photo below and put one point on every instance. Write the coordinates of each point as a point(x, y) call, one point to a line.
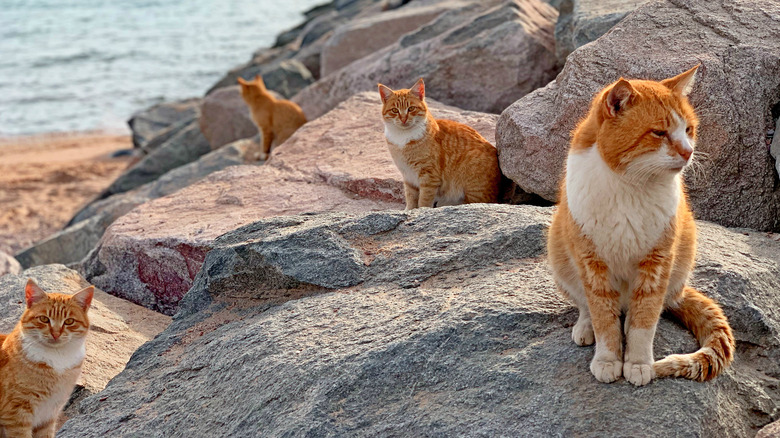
point(276, 119)
point(442, 162)
point(40, 361)
point(623, 239)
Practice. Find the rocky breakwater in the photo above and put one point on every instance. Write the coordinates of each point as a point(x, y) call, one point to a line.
point(480, 56)
point(338, 162)
point(434, 322)
point(736, 95)
point(118, 327)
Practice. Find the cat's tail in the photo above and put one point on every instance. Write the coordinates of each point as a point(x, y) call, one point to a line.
point(706, 320)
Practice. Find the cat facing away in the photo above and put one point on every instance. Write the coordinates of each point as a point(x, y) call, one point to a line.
point(442, 162)
point(623, 239)
point(40, 361)
point(276, 119)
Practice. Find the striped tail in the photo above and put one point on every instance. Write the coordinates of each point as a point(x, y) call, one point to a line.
point(706, 320)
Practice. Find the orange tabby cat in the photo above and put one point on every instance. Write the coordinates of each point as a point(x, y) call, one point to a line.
point(623, 239)
point(276, 119)
point(40, 361)
point(442, 162)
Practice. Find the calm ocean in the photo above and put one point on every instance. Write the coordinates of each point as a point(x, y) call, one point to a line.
point(74, 65)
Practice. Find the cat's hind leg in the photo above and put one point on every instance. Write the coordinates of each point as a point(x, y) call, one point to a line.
point(570, 286)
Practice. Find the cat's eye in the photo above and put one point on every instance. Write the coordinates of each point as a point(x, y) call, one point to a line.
point(689, 130)
point(43, 319)
point(69, 321)
point(658, 133)
point(412, 108)
point(394, 110)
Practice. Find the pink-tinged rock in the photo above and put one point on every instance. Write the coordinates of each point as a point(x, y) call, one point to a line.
point(732, 180)
point(337, 163)
point(346, 148)
point(364, 36)
point(151, 255)
point(225, 118)
point(480, 57)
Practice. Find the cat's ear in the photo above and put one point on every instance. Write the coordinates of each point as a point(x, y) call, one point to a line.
point(384, 92)
point(682, 83)
point(33, 293)
point(418, 89)
point(84, 297)
point(259, 81)
point(618, 97)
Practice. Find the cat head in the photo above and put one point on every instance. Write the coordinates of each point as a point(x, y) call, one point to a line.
point(252, 88)
point(55, 319)
point(647, 128)
point(404, 109)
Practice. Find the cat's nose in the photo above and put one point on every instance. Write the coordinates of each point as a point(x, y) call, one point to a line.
point(684, 148)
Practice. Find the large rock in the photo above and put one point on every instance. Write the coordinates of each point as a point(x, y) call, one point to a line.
point(9, 265)
point(583, 21)
point(225, 117)
point(476, 57)
point(364, 36)
point(85, 229)
point(434, 322)
point(734, 94)
point(338, 162)
point(152, 121)
point(770, 431)
point(151, 255)
point(118, 327)
point(186, 146)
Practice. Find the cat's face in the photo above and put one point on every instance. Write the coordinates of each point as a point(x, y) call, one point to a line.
point(404, 109)
point(648, 128)
point(53, 319)
point(253, 88)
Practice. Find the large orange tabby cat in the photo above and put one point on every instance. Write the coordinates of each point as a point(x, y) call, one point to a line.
point(40, 361)
point(623, 239)
point(442, 162)
point(276, 119)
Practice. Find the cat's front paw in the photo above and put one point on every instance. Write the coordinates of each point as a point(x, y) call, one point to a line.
point(606, 371)
point(638, 373)
point(582, 333)
point(263, 156)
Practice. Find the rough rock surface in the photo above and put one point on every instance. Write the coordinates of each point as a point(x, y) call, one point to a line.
point(8, 264)
point(362, 37)
point(150, 122)
point(225, 117)
point(736, 89)
point(770, 431)
point(583, 21)
point(775, 147)
point(186, 146)
point(338, 162)
point(435, 322)
point(69, 245)
point(118, 327)
point(150, 255)
point(477, 57)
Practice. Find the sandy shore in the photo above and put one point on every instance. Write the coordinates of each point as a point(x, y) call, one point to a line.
point(45, 179)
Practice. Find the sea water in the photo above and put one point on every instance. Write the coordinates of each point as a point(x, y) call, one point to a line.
point(76, 65)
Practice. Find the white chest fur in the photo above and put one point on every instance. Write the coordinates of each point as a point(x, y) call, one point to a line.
point(398, 139)
point(60, 359)
point(624, 221)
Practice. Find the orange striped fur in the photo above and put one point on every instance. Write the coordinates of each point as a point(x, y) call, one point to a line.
point(40, 361)
point(276, 119)
point(623, 239)
point(442, 162)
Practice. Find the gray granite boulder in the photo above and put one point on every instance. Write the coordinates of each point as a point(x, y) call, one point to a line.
point(8, 264)
point(152, 121)
point(434, 322)
point(734, 94)
point(583, 21)
point(481, 57)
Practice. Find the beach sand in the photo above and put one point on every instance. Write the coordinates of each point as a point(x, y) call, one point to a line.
point(46, 179)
